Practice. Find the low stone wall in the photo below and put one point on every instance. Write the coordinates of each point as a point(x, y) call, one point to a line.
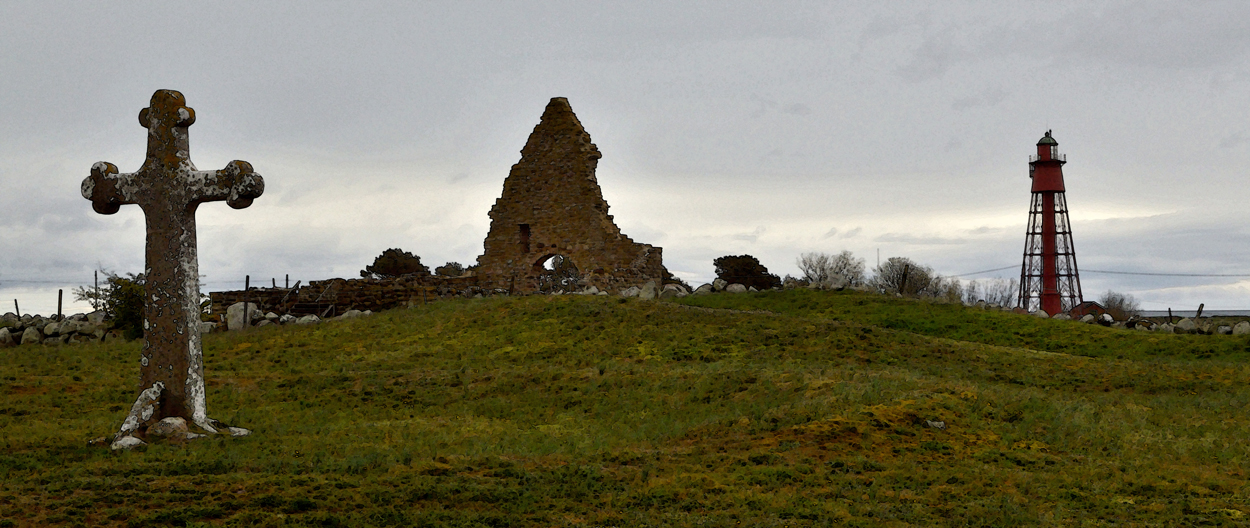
point(36, 329)
point(327, 298)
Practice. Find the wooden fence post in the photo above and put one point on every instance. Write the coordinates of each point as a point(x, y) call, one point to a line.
point(247, 316)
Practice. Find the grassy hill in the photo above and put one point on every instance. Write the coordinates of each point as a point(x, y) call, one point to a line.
point(792, 408)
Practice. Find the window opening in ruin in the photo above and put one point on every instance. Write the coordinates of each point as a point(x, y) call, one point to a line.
point(525, 238)
point(556, 273)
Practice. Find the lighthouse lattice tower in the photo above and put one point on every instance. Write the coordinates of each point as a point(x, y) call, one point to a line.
point(1048, 278)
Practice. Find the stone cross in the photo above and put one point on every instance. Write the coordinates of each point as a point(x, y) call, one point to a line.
point(169, 189)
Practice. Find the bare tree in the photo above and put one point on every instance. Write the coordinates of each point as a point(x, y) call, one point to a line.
point(820, 267)
point(946, 288)
point(903, 276)
point(1121, 306)
point(1001, 292)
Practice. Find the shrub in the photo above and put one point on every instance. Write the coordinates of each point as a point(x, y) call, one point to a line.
point(122, 301)
point(394, 262)
point(745, 270)
point(450, 269)
point(820, 267)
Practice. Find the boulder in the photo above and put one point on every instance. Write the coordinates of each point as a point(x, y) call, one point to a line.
point(286, 319)
point(719, 285)
point(272, 317)
point(631, 291)
point(703, 289)
point(55, 340)
point(1186, 325)
point(6, 339)
point(86, 327)
point(234, 315)
point(1088, 318)
point(169, 427)
point(308, 319)
point(126, 442)
point(352, 314)
point(1224, 330)
point(590, 290)
point(1040, 313)
point(1164, 328)
point(367, 313)
point(265, 322)
point(752, 289)
point(1241, 328)
point(207, 327)
point(649, 291)
point(736, 288)
point(1062, 317)
point(52, 329)
point(1106, 320)
point(96, 317)
point(31, 336)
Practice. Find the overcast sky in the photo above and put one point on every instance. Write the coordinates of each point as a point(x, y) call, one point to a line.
point(767, 128)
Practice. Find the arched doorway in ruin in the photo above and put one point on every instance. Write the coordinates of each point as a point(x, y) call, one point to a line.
point(554, 272)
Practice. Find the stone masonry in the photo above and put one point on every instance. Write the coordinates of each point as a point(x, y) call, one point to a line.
point(552, 205)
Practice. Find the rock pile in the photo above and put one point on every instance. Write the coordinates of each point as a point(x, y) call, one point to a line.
point(35, 329)
point(235, 316)
point(1184, 326)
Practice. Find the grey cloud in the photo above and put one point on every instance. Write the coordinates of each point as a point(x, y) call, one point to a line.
point(910, 239)
point(1236, 139)
point(988, 97)
point(930, 60)
point(798, 109)
point(1160, 35)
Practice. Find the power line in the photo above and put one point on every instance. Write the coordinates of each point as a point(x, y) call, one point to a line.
point(1144, 273)
point(984, 271)
point(1164, 274)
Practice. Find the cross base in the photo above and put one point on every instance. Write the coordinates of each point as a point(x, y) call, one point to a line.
point(133, 431)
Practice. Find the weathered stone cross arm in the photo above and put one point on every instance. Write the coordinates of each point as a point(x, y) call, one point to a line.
point(237, 184)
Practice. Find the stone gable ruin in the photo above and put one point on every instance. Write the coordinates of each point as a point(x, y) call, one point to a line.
point(552, 206)
point(551, 211)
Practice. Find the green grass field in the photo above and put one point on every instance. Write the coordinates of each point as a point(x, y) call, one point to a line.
point(793, 408)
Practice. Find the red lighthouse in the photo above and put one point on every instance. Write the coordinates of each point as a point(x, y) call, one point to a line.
point(1048, 278)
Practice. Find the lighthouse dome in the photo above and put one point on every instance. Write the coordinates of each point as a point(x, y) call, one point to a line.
point(1047, 140)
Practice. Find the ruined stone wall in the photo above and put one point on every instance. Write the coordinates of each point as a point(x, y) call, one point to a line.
point(552, 205)
point(335, 296)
